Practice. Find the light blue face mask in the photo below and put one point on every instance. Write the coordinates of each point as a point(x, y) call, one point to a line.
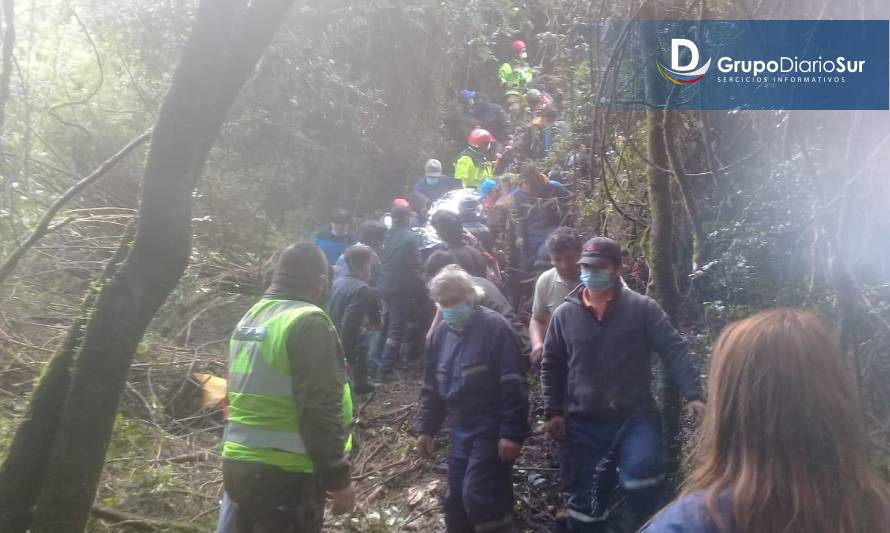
point(432, 181)
point(457, 316)
point(596, 279)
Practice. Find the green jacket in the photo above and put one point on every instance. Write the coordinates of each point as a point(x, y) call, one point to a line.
point(472, 168)
point(515, 78)
point(289, 403)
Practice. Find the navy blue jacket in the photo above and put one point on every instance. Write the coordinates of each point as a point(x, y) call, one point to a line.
point(603, 370)
point(333, 245)
point(493, 118)
point(689, 515)
point(400, 262)
point(434, 192)
point(475, 376)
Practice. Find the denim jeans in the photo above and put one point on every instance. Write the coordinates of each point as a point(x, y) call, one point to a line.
point(227, 519)
point(605, 453)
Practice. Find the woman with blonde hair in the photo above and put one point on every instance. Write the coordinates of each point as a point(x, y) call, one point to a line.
point(782, 446)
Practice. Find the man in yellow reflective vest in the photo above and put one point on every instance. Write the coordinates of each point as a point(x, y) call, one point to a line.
point(472, 166)
point(516, 77)
point(290, 408)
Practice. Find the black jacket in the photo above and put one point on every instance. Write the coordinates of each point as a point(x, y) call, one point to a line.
point(400, 262)
point(603, 369)
point(352, 303)
point(495, 300)
point(469, 258)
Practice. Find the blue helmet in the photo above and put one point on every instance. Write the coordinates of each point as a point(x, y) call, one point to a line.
point(467, 94)
point(486, 187)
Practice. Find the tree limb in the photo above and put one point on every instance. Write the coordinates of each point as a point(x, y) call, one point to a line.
point(132, 521)
point(43, 227)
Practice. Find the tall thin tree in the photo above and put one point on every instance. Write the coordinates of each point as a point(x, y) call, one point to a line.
point(227, 40)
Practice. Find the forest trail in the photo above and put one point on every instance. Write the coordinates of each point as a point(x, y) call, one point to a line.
point(397, 491)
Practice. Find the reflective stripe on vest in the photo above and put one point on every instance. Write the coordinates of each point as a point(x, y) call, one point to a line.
point(264, 418)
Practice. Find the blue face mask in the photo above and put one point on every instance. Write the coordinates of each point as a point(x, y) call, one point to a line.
point(457, 316)
point(596, 279)
point(432, 181)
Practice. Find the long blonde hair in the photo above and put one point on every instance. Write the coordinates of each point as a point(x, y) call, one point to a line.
point(783, 433)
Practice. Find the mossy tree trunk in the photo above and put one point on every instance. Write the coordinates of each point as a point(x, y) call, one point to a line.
point(227, 40)
point(671, 131)
point(22, 472)
point(661, 240)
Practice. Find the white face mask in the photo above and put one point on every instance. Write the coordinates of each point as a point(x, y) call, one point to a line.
point(523, 55)
point(432, 181)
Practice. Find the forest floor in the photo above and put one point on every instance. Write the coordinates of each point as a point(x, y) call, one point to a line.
point(163, 472)
point(399, 492)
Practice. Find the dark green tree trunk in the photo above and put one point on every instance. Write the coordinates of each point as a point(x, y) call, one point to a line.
point(227, 40)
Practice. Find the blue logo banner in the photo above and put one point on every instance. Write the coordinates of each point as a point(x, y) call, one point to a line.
point(752, 64)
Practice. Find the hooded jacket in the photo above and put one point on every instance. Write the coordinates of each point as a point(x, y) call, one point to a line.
point(603, 369)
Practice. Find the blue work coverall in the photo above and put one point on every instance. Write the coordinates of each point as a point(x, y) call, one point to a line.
point(475, 377)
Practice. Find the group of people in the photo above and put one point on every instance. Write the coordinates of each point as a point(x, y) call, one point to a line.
point(782, 445)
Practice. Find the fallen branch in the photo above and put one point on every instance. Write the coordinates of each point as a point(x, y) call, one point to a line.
point(43, 227)
point(122, 518)
point(383, 482)
point(380, 470)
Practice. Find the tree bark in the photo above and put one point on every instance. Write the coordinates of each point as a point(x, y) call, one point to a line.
point(661, 242)
point(23, 470)
point(699, 240)
point(226, 42)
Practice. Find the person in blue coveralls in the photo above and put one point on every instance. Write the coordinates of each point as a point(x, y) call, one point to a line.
point(473, 374)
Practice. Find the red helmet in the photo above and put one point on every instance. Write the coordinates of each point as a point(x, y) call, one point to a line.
point(518, 47)
point(479, 137)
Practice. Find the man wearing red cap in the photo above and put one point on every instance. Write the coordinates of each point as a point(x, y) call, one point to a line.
point(472, 166)
point(596, 376)
point(516, 77)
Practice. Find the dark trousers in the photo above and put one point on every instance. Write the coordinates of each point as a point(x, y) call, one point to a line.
point(398, 315)
point(358, 362)
point(480, 486)
point(271, 500)
point(596, 449)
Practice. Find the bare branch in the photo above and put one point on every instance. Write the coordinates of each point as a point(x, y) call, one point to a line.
point(43, 227)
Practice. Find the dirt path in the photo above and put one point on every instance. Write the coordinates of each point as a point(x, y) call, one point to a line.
point(398, 492)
